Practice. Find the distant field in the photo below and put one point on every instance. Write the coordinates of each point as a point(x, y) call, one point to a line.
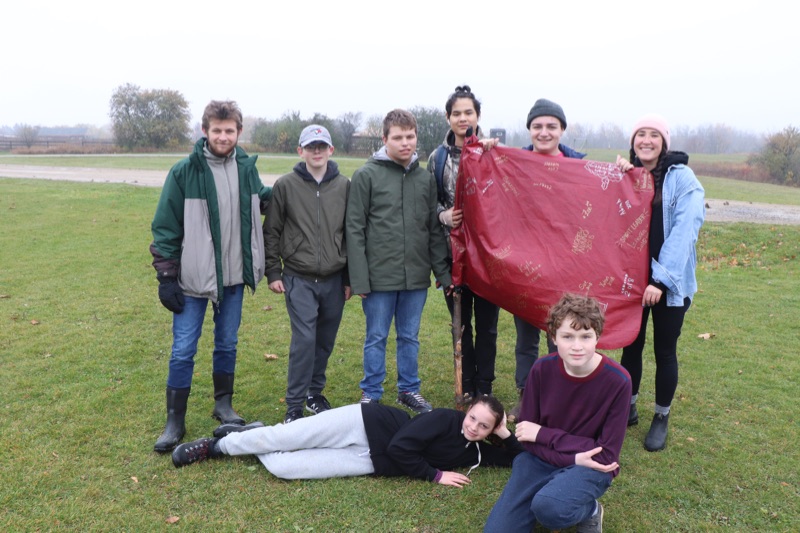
point(720, 188)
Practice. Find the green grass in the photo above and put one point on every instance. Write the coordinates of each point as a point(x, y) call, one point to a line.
point(748, 191)
point(84, 347)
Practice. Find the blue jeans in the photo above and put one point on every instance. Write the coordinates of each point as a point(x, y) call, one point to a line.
point(555, 497)
point(380, 308)
point(187, 327)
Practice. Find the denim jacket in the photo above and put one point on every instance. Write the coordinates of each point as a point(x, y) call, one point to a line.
point(684, 211)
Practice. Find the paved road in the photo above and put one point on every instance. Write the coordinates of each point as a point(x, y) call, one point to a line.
point(147, 178)
point(716, 210)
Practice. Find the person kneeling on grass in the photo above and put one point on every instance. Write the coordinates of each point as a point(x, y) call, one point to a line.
point(572, 423)
point(371, 438)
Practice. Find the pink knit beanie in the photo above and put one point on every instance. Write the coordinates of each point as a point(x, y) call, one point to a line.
point(656, 122)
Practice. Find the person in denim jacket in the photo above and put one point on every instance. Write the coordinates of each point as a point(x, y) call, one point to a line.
point(678, 214)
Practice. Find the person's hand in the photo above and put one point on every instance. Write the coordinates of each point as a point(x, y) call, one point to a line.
point(490, 143)
point(623, 164)
point(348, 292)
point(363, 296)
point(502, 430)
point(585, 459)
point(449, 289)
point(277, 287)
point(170, 294)
point(454, 479)
point(457, 217)
point(652, 295)
point(527, 431)
point(446, 217)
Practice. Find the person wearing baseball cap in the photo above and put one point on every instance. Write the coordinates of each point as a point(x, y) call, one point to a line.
point(307, 262)
point(678, 214)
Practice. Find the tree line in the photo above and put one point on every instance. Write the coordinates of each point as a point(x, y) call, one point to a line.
point(154, 119)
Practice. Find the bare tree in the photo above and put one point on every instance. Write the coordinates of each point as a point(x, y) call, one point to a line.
point(347, 125)
point(27, 134)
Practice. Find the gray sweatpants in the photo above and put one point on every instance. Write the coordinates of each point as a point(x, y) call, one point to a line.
point(315, 311)
point(330, 444)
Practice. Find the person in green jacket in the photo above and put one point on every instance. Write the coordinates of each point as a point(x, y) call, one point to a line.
point(307, 263)
point(394, 240)
point(207, 246)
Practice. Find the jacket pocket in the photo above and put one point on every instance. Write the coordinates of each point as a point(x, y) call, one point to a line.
point(198, 264)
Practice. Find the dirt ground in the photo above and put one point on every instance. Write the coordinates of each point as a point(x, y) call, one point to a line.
point(716, 210)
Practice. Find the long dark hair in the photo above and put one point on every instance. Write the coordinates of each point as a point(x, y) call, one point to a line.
point(491, 403)
point(462, 91)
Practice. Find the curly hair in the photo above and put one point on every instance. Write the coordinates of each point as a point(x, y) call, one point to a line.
point(584, 311)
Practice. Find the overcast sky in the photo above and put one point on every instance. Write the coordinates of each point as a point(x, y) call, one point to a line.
point(696, 62)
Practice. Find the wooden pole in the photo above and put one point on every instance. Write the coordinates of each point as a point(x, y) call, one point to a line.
point(457, 331)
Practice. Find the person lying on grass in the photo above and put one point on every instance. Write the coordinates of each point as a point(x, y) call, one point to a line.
point(370, 438)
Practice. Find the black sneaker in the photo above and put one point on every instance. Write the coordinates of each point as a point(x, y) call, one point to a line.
point(295, 413)
point(226, 429)
point(367, 399)
point(414, 401)
point(317, 403)
point(593, 524)
point(193, 452)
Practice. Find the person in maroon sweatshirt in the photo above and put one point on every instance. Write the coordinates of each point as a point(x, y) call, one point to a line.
point(572, 424)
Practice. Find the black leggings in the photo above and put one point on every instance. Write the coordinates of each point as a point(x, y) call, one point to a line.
point(667, 323)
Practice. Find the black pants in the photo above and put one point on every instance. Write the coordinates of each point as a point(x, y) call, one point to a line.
point(527, 349)
point(478, 354)
point(667, 324)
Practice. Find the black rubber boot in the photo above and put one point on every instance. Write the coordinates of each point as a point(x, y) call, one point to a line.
point(633, 416)
point(656, 439)
point(176, 416)
point(223, 392)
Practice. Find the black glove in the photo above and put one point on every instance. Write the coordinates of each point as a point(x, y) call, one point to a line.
point(170, 294)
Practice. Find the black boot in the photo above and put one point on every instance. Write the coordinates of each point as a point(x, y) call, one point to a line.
point(227, 429)
point(176, 416)
point(657, 436)
point(195, 451)
point(633, 416)
point(223, 391)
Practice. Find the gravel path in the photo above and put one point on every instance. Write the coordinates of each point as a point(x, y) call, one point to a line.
point(716, 210)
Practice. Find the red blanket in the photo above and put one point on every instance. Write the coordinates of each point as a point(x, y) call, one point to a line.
point(537, 226)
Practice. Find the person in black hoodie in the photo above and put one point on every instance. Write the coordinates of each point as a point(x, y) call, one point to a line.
point(371, 438)
point(306, 261)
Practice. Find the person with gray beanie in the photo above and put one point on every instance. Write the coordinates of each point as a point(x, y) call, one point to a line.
point(546, 123)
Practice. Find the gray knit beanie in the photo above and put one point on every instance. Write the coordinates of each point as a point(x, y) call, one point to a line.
point(544, 107)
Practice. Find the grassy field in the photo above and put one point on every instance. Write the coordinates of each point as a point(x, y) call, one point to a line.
point(84, 347)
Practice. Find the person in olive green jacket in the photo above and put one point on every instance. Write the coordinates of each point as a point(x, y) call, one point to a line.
point(307, 263)
point(394, 240)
